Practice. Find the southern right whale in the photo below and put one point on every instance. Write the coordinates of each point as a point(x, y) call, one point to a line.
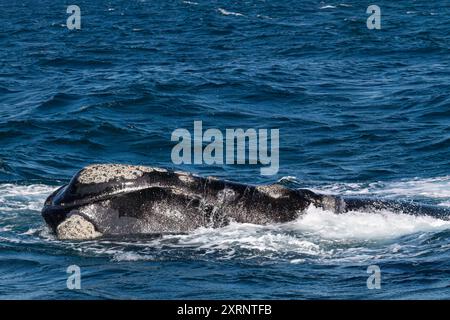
point(123, 200)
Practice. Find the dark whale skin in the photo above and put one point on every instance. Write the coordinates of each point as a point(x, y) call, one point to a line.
point(130, 200)
point(146, 203)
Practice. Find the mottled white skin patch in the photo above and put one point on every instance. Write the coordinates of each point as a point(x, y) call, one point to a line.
point(76, 228)
point(225, 195)
point(329, 203)
point(102, 173)
point(170, 213)
point(274, 190)
point(186, 178)
point(180, 192)
point(160, 217)
point(333, 204)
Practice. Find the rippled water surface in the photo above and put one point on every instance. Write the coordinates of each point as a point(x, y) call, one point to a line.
point(361, 112)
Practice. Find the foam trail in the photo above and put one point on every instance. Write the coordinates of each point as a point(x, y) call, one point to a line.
point(363, 225)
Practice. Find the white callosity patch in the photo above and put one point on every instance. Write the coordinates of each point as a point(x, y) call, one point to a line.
point(185, 177)
point(76, 228)
point(273, 190)
point(102, 173)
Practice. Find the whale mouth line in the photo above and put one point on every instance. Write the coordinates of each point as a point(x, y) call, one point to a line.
point(108, 196)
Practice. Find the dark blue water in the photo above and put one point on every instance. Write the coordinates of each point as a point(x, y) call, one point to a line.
point(359, 111)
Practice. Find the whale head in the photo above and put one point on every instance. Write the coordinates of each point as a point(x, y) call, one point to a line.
point(108, 198)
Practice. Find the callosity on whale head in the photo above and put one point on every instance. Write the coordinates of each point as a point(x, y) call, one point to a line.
point(114, 199)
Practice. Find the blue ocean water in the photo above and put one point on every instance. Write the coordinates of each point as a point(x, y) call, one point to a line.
point(360, 112)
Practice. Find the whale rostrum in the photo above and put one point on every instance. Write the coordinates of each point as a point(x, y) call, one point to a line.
point(123, 200)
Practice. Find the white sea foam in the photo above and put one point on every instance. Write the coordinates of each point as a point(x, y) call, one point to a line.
point(315, 222)
point(433, 188)
point(229, 13)
point(15, 197)
point(256, 238)
point(363, 225)
point(130, 256)
point(328, 7)
point(5, 228)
